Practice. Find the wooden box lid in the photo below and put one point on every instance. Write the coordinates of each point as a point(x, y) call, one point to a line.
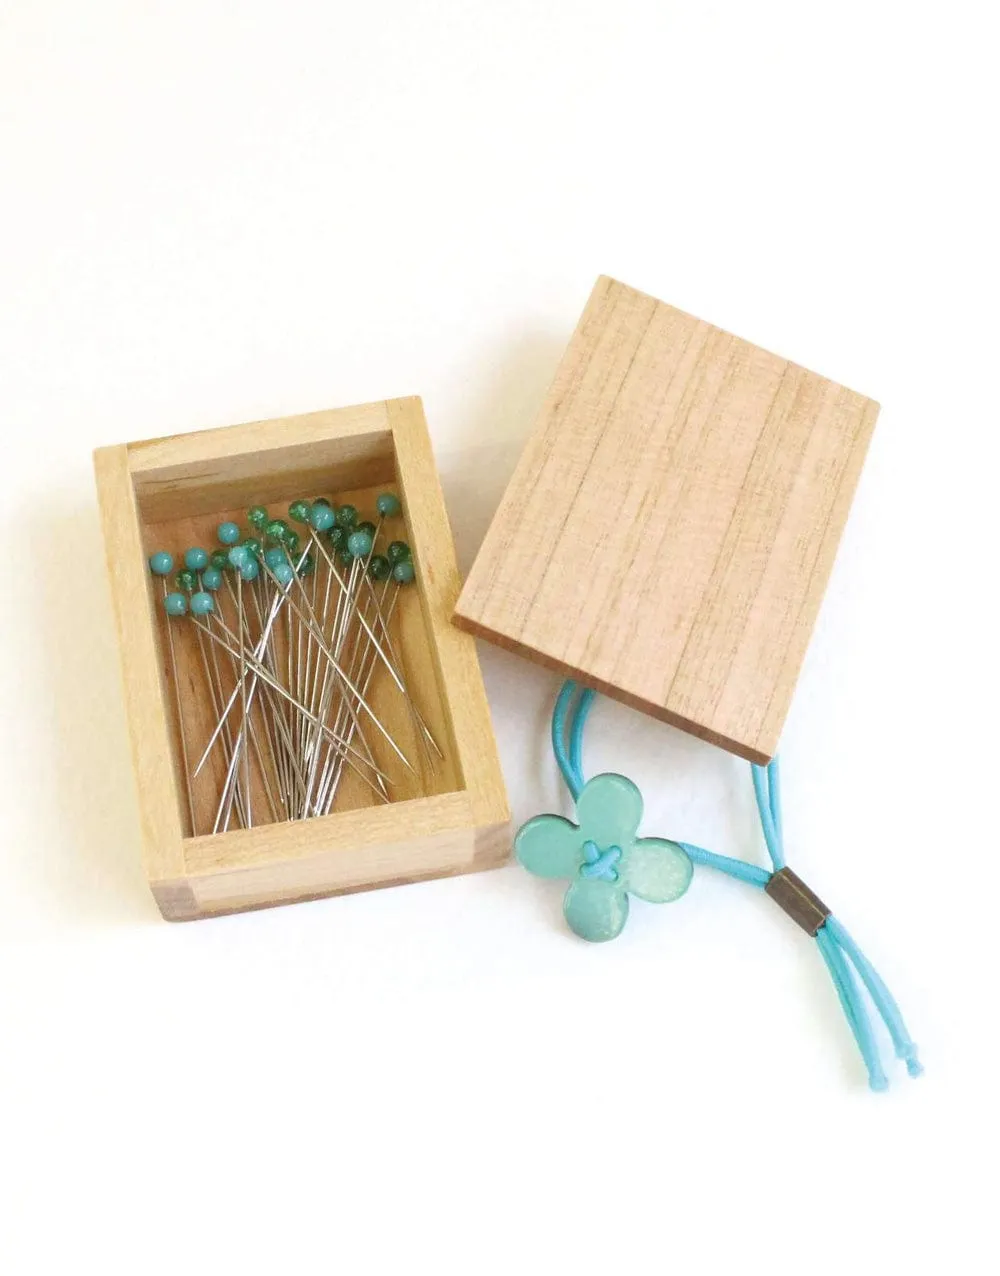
point(670, 528)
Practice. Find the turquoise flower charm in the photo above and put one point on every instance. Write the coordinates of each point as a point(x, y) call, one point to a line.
point(603, 858)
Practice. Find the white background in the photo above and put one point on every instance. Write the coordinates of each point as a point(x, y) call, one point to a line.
point(215, 212)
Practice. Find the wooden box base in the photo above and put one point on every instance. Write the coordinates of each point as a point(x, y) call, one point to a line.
point(447, 818)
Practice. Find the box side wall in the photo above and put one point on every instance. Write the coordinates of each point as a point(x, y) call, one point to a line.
point(458, 667)
point(145, 696)
point(428, 837)
point(190, 475)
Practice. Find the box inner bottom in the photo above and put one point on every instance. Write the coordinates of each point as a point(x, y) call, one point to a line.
point(193, 720)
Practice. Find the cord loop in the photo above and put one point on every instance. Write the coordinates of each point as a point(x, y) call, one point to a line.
point(843, 958)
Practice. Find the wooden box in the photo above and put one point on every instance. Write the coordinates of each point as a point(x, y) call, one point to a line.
point(447, 819)
point(671, 527)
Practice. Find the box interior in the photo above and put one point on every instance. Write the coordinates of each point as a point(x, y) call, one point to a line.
point(181, 506)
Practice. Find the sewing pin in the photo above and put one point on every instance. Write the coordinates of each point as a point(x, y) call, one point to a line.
point(380, 569)
point(286, 578)
point(161, 564)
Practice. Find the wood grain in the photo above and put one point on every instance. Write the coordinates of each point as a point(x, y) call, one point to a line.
point(240, 465)
point(445, 818)
point(670, 529)
point(148, 704)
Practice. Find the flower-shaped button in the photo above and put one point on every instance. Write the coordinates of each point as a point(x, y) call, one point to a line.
point(603, 858)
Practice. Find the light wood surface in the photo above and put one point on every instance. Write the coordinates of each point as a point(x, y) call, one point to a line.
point(240, 465)
point(148, 704)
point(447, 816)
point(671, 526)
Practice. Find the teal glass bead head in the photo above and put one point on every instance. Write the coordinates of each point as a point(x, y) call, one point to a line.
point(202, 603)
point(388, 505)
point(195, 559)
point(228, 533)
point(402, 572)
point(239, 556)
point(250, 569)
point(274, 556)
point(603, 858)
point(211, 578)
point(283, 573)
point(175, 604)
point(321, 518)
point(359, 544)
point(161, 563)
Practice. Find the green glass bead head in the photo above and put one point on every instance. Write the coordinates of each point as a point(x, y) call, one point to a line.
point(321, 500)
point(398, 552)
point(220, 559)
point(298, 511)
point(161, 563)
point(228, 533)
point(347, 516)
point(253, 546)
point(202, 603)
point(402, 572)
point(276, 530)
point(338, 537)
point(359, 544)
point(388, 505)
point(175, 604)
point(257, 517)
point(367, 526)
point(306, 565)
point(195, 559)
point(292, 542)
point(187, 580)
point(380, 568)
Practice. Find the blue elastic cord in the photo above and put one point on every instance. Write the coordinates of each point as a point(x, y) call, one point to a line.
point(884, 1001)
point(774, 797)
point(573, 779)
point(770, 820)
point(735, 868)
point(836, 946)
point(854, 1008)
point(576, 731)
